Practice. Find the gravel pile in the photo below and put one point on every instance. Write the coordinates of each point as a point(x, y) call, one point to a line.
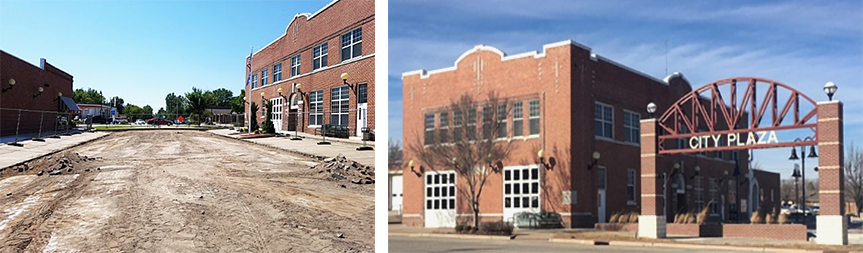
point(55, 164)
point(340, 168)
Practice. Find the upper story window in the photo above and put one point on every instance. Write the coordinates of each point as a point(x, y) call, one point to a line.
point(316, 108)
point(631, 127)
point(457, 126)
point(277, 72)
point(254, 81)
point(264, 78)
point(517, 119)
point(470, 120)
point(501, 121)
point(295, 66)
point(486, 122)
point(533, 112)
point(352, 44)
point(603, 121)
point(429, 133)
point(443, 134)
point(319, 57)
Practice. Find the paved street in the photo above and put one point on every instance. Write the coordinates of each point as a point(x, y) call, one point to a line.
point(435, 244)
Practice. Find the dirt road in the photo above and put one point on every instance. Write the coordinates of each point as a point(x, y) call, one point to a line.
point(181, 191)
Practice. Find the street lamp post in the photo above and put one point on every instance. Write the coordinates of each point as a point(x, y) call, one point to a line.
point(796, 176)
point(794, 157)
point(830, 88)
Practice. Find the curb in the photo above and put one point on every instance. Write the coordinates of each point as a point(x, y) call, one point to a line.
point(475, 237)
point(313, 156)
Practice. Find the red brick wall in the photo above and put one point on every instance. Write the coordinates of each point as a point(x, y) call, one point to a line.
point(28, 78)
point(567, 82)
point(327, 26)
point(795, 232)
point(769, 181)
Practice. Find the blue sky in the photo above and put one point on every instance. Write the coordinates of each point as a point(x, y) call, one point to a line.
point(143, 50)
point(800, 43)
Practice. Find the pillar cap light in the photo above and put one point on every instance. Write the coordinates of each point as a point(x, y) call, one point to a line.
point(596, 155)
point(344, 76)
point(830, 88)
point(11, 81)
point(651, 108)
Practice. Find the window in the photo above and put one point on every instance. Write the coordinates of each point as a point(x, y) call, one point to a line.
point(630, 127)
point(603, 121)
point(254, 81)
point(440, 191)
point(501, 121)
point(486, 122)
point(295, 66)
point(457, 120)
point(352, 44)
point(319, 57)
point(734, 155)
point(699, 194)
point(521, 187)
point(517, 119)
point(339, 106)
point(443, 134)
point(630, 187)
point(714, 200)
point(719, 154)
point(264, 78)
point(533, 112)
point(470, 132)
point(316, 108)
point(429, 137)
point(277, 72)
point(362, 93)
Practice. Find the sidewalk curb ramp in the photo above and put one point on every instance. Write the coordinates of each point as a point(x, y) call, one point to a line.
point(57, 151)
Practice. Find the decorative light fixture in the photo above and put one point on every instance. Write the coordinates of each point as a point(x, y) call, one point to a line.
point(11, 83)
point(59, 94)
point(541, 155)
point(40, 90)
point(411, 165)
point(651, 108)
point(595, 160)
point(830, 88)
point(263, 96)
point(697, 169)
point(345, 80)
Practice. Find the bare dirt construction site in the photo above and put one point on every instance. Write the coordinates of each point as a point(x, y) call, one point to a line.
point(180, 191)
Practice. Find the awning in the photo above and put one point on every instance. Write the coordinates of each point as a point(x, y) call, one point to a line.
point(70, 104)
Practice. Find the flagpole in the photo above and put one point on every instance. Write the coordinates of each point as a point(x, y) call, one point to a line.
point(248, 77)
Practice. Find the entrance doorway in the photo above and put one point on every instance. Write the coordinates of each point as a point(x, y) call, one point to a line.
point(600, 194)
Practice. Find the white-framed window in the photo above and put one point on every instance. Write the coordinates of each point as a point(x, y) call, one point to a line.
point(631, 127)
point(714, 199)
point(698, 188)
point(254, 81)
point(277, 110)
point(295, 66)
point(316, 108)
point(457, 120)
point(470, 132)
point(631, 178)
point(429, 128)
point(440, 190)
point(352, 44)
point(603, 120)
point(264, 78)
point(443, 133)
point(521, 187)
point(319, 56)
point(277, 72)
point(501, 121)
point(339, 106)
point(533, 116)
point(517, 119)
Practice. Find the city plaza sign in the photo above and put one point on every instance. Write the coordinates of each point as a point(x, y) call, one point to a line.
point(732, 139)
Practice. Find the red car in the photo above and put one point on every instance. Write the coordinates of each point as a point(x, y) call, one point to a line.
point(155, 121)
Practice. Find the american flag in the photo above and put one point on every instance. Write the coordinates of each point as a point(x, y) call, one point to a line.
point(249, 69)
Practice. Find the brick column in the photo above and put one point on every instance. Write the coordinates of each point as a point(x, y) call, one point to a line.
point(651, 222)
point(832, 225)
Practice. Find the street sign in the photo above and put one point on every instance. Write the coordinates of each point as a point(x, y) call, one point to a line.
point(113, 112)
point(180, 119)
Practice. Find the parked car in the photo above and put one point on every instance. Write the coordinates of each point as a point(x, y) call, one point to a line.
point(156, 121)
point(140, 122)
point(120, 121)
point(98, 120)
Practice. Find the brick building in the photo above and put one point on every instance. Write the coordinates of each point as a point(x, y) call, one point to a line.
point(568, 103)
point(307, 63)
point(33, 96)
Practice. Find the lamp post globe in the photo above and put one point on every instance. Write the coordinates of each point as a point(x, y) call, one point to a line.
point(830, 88)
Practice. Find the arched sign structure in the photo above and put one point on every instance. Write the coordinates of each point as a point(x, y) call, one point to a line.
point(713, 118)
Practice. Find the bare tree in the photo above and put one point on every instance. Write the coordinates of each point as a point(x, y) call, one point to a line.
point(474, 154)
point(854, 176)
point(394, 155)
point(787, 191)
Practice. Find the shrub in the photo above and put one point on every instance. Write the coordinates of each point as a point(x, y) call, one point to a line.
point(690, 218)
point(783, 218)
point(702, 216)
point(460, 228)
point(615, 217)
point(633, 216)
point(757, 217)
point(496, 228)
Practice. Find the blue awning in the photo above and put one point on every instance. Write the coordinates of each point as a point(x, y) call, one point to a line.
point(70, 104)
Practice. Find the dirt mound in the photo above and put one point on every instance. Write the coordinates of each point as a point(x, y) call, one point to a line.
point(56, 164)
point(340, 168)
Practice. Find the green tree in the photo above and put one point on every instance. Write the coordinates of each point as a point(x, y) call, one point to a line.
point(238, 105)
point(89, 96)
point(146, 112)
point(118, 103)
point(175, 105)
point(223, 97)
point(268, 123)
point(199, 100)
point(253, 122)
point(133, 112)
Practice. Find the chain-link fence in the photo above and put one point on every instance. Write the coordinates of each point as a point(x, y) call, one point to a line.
point(21, 124)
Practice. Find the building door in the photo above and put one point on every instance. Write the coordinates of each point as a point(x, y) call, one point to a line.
point(440, 208)
point(276, 116)
point(600, 194)
point(520, 190)
point(362, 108)
point(396, 192)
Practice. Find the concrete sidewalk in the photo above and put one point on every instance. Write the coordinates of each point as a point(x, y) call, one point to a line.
point(671, 242)
point(12, 155)
point(308, 145)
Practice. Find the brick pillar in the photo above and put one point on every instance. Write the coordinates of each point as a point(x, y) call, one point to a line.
point(832, 225)
point(651, 222)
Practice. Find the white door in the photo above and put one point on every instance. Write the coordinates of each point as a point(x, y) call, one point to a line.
point(600, 195)
point(440, 198)
point(396, 192)
point(520, 190)
point(277, 114)
point(362, 107)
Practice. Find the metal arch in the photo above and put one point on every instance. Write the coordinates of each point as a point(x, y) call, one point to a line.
point(685, 117)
